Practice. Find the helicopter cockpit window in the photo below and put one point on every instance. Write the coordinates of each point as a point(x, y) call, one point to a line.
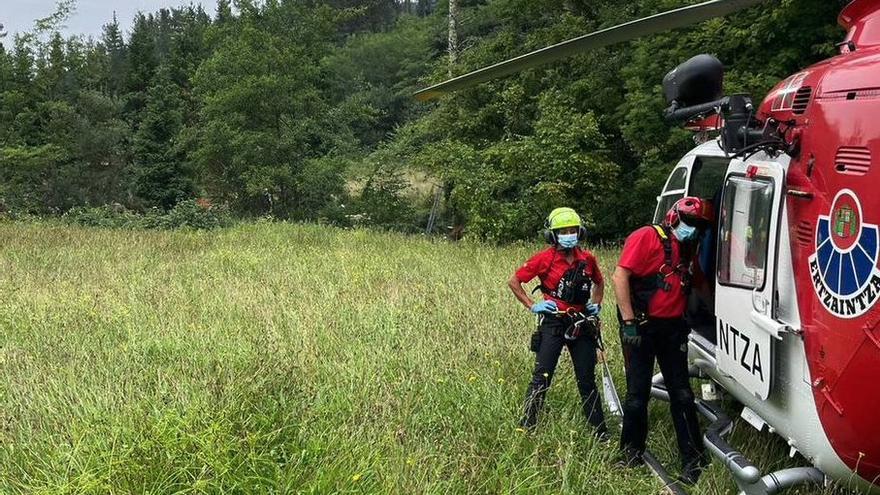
point(676, 181)
point(666, 202)
point(745, 232)
point(707, 176)
point(674, 190)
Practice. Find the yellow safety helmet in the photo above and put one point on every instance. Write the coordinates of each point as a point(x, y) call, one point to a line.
point(562, 218)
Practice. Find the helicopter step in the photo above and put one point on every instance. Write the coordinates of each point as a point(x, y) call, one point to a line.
point(746, 475)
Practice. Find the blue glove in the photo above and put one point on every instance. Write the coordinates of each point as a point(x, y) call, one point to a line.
point(544, 307)
point(593, 309)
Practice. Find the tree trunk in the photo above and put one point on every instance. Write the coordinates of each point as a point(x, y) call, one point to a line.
point(453, 34)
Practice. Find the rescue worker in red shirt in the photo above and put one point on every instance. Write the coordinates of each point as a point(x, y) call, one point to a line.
point(651, 283)
point(570, 278)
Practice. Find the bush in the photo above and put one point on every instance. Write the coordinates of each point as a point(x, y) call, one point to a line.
point(195, 214)
point(320, 190)
point(384, 203)
point(107, 216)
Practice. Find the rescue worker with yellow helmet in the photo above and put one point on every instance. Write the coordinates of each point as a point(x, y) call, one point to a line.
point(572, 287)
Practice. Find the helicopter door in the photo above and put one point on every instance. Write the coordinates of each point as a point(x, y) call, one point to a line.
point(751, 205)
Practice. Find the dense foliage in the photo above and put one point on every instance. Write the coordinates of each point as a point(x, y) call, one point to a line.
point(301, 109)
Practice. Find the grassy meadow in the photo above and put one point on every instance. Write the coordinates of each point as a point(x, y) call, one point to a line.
point(275, 358)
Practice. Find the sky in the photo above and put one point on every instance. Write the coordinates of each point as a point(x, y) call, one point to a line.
point(90, 15)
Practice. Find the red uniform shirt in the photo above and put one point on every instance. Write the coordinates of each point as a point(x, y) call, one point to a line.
point(550, 265)
point(643, 256)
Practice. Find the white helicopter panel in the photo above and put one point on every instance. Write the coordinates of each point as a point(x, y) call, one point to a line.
point(748, 227)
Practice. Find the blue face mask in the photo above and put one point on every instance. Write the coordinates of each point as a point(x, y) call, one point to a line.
point(685, 232)
point(567, 241)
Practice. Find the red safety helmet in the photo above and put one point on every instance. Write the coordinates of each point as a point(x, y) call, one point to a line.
point(694, 211)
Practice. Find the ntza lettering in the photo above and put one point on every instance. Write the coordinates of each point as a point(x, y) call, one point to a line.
point(741, 349)
point(850, 307)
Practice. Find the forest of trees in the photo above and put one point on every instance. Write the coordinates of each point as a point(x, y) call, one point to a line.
point(303, 110)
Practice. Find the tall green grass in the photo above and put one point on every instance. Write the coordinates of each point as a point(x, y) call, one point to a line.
point(272, 358)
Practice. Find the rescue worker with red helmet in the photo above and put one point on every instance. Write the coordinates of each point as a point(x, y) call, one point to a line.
point(652, 282)
point(573, 288)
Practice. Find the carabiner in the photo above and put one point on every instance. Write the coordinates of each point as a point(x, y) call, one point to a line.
point(666, 270)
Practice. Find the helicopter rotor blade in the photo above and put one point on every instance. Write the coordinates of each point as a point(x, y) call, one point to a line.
point(665, 21)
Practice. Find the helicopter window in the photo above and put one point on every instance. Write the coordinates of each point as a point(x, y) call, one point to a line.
point(676, 181)
point(745, 232)
point(665, 204)
point(707, 176)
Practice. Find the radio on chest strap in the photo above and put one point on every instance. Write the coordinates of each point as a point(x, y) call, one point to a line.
point(574, 287)
point(642, 289)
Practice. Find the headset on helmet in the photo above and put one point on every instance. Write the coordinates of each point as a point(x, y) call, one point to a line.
point(694, 211)
point(569, 217)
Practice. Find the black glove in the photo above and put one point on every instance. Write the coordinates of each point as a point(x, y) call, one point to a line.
point(629, 333)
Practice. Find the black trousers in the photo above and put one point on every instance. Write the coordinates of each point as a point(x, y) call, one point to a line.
point(583, 357)
point(665, 341)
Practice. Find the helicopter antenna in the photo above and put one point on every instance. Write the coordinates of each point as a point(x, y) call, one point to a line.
point(665, 21)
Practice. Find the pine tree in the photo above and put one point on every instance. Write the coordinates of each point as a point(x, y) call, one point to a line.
point(188, 48)
point(224, 12)
point(52, 76)
point(5, 69)
point(75, 64)
point(117, 67)
point(23, 95)
point(6, 86)
point(22, 62)
point(142, 62)
point(161, 177)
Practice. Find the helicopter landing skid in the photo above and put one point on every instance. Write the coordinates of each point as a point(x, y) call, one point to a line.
point(671, 486)
point(746, 475)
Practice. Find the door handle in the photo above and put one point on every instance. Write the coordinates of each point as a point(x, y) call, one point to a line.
point(759, 303)
point(771, 326)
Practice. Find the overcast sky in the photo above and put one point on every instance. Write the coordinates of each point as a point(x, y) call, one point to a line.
point(90, 15)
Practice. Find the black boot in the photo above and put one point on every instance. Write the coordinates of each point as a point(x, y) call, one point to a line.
point(629, 458)
point(693, 468)
point(602, 434)
point(533, 404)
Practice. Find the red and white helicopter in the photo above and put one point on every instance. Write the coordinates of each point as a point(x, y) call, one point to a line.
point(791, 328)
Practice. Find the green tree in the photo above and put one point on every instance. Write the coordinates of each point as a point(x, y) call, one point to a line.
point(161, 177)
point(224, 12)
point(375, 74)
point(142, 63)
point(117, 58)
point(263, 117)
